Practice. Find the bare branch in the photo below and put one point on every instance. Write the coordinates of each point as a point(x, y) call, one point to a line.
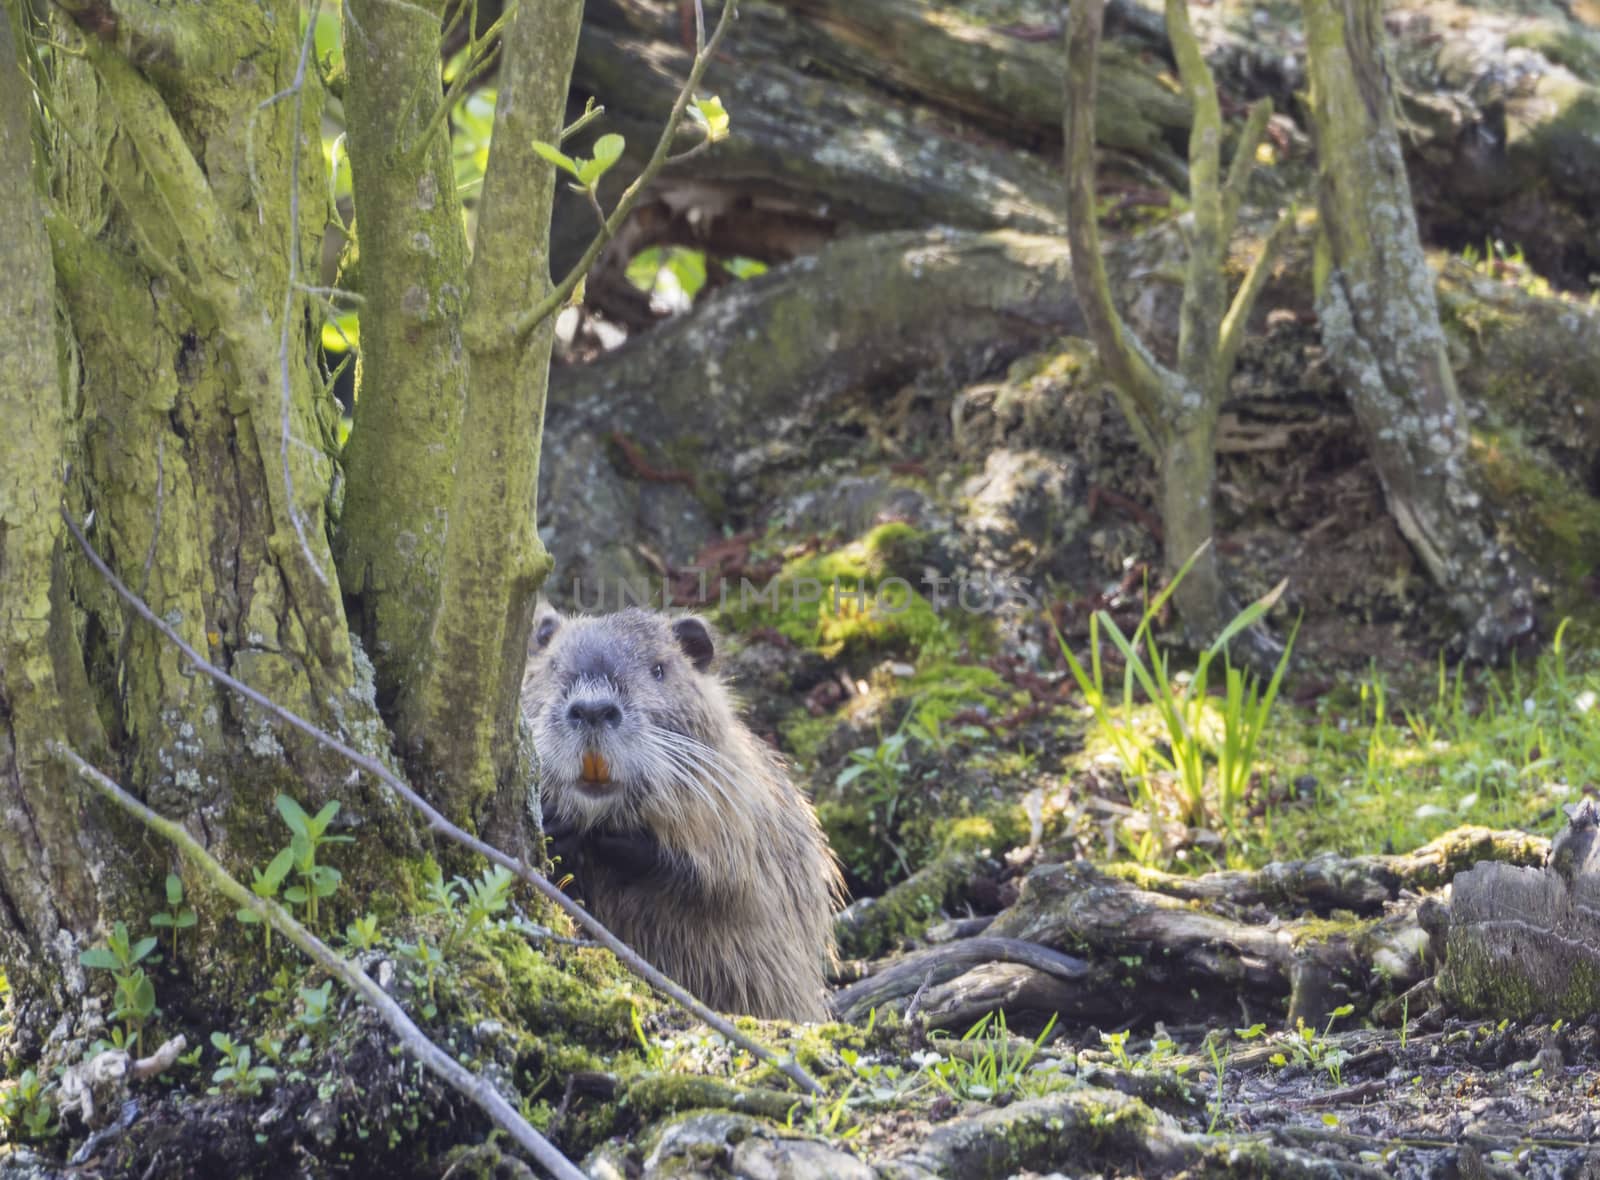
point(297, 89)
point(1203, 288)
point(1134, 375)
point(1231, 335)
point(481, 54)
point(592, 112)
point(1243, 163)
point(558, 296)
point(440, 825)
point(472, 1086)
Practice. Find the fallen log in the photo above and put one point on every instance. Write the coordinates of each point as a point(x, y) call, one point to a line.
point(1526, 941)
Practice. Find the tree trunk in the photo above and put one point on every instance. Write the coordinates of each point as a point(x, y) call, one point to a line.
point(47, 887)
point(197, 439)
point(468, 693)
point(1380, 320)
point(197, 435)
point(413, 253)
point(1174, 411)
point(1188, 522)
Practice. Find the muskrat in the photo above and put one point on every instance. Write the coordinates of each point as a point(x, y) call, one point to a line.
point(681, 828)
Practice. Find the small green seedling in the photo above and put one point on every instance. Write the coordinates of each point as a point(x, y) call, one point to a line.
point(135, 997)
point(177, 916)
point(27, 1108)
point(487, 896)
point(314, 1005)
point(425, 955)
point(236, 1074)
point(362, 934)
point(266, 886)
point(310, 834)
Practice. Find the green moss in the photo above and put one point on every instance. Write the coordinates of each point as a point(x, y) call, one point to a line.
point(661, 1094)
point(1559, 523)
point(1564, 43)
point(585, 995)
point(998, 828)
point(905, 910)
point(802, 734)
point(849, 601)
point(946, 687)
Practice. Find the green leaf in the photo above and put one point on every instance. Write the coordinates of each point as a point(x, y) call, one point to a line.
point(293, 814)
point(325, 816)
point(186, 919)
point(607, 151)
point(713, 116)
point(248, 917)
point(161, 921)
point(295, 895)
point(1248, 615)
point(100, 958)
point(850, 773)
point(555, 156)
point(174, 889)
point(142, 948)
point(278, 870)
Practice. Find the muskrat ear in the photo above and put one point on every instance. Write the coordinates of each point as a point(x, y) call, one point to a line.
point(695, 638)
point(545, 625)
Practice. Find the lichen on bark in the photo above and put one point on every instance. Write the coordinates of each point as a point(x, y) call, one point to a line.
point(1380, 321)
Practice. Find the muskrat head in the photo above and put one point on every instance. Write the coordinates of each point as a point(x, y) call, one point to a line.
point(621, 707)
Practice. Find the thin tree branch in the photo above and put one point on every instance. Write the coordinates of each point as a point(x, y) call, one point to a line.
point(1243, 163)
point(473, 1086)
point(481, 53)
point(558, 295)
point(442, 826)
point(590, 114)
point(1231, 335)
point(291, 284)
point(1203, 288)
point(1135, 378)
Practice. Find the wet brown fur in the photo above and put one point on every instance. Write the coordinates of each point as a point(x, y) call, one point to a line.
point(747, 925)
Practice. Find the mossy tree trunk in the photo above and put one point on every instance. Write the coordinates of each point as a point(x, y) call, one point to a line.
point(443, 571)
point(44, 695)
point(192, 438)
point(413, 255)
point(162, 195)
point(1380, 321)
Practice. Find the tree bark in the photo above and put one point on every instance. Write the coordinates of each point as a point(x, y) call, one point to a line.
point(185, 409)
point(1524, 940)
point(399, 463)
point(48, 889)
point(1380, 319)
point(468, 691)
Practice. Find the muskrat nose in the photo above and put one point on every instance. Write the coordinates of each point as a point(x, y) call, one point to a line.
point(593, 714)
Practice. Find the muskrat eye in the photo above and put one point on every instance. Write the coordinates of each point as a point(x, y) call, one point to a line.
point(659, 671)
